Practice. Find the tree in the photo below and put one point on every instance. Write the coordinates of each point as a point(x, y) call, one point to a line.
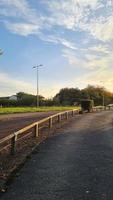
point(28, 99)
point(96, 93)
point(68, 96)
point(25, 99)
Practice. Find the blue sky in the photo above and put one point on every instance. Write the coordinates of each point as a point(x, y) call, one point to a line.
point(73, 39)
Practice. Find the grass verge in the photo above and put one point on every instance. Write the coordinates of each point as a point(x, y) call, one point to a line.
point(11, 110)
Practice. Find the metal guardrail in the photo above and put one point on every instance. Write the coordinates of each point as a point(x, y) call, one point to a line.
point(49, 121)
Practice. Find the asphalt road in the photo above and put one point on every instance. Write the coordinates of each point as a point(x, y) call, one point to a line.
point(75, 165)
point(13, 122)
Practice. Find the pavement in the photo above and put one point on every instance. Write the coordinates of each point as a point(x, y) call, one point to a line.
point(77, 164)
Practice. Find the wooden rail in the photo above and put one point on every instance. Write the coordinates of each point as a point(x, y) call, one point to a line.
point(14, 137)
point(46, 122)
point(100, 108)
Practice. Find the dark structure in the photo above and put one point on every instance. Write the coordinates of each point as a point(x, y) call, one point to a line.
point(87, 105)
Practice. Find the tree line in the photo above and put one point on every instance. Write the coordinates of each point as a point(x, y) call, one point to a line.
point(71, 96)
point(66, 96)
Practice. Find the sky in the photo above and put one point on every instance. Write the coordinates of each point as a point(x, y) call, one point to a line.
point(73, 39)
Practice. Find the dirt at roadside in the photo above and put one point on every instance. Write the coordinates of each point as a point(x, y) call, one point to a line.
point(13, 122)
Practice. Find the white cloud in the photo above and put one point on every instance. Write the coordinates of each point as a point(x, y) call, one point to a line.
point(52, 89)
point(87, 16)
point(100, 28)
point(18, 8)
point(31, 22)
point(23, 28)
point(97, 68)
point(73, 59)
point(70, 13)
point(103, 77)
point(100, 49)
point(57, 40)
point(20, 18)
point(11, 86)
point(76, 14)
point(88, 60)
point(73, 15)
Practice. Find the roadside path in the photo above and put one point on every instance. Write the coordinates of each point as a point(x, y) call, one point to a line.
point(75, 165)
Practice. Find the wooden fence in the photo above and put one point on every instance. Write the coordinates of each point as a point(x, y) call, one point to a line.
point(35, 128)
point(11, 140)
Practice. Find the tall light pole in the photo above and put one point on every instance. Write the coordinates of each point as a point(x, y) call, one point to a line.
point(103, 97)
point(37, 67)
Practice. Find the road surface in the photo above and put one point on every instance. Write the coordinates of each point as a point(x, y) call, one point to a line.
point(13, 122)
point(75, 165)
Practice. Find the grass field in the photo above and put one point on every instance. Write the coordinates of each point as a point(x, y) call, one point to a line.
point(9, 110)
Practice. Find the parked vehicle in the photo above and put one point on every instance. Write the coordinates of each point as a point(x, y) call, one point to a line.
point(87, 105)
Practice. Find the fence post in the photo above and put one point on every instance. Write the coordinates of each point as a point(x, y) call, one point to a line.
point(13, 144)
point(66, 115)
point(72, 113)
point(37, 130)
point(59, 118)
point(50, 122)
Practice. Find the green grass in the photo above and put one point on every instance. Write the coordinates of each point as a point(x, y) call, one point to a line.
point(9, 110)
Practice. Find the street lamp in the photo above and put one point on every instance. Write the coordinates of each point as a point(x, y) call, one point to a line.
point(37, 67)
point(103, 97)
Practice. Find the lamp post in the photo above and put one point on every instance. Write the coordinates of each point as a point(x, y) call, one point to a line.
point(37, 67)
point(103, 97)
